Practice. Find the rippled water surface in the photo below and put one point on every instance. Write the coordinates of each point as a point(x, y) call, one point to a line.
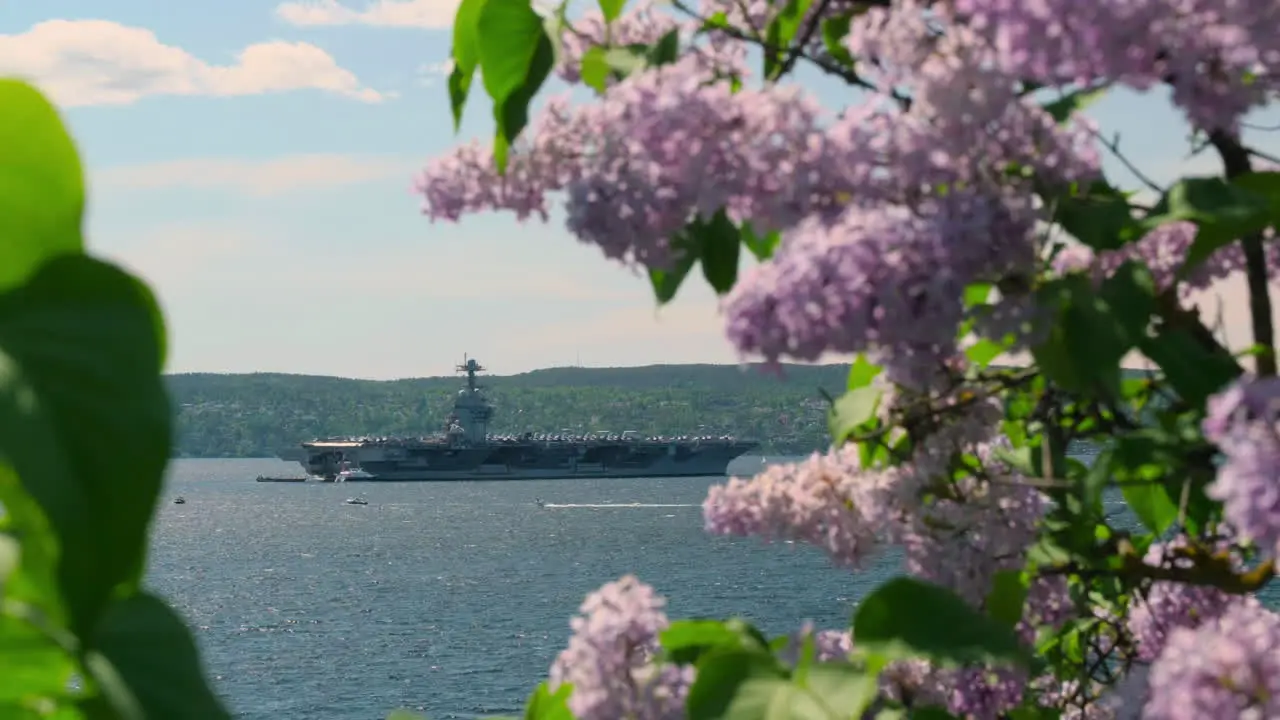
point(449, 597)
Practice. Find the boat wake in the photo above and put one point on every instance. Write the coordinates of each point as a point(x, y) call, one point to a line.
point(614, 505)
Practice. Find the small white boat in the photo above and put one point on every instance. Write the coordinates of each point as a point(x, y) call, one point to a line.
point(352, 474)
point(357, 501)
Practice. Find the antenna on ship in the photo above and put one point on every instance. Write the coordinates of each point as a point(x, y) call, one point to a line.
point(470, 367)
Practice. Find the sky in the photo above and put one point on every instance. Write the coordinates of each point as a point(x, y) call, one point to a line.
point(253, 161)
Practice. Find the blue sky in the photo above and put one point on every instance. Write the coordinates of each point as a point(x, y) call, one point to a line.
point(253, 161)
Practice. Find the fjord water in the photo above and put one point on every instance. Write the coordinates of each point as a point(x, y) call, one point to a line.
point(449, 597)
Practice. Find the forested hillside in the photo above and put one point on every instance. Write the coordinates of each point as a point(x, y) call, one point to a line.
point(254, 415)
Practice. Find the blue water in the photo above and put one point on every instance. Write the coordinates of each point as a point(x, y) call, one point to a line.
point(452, 598)
point(448, 598)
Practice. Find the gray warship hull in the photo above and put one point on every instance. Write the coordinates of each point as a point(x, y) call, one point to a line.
point(402, 462)
point(467, 451)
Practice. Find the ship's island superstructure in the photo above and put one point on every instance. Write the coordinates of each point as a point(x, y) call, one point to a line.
point(466, 451)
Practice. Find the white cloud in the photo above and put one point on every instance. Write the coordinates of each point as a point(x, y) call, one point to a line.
point(99, 62)
point(382, 13)
point(259, 178)
point(429, 73)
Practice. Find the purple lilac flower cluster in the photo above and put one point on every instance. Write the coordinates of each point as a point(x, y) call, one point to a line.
point(1228, 667)
point(1242, 421)
point(1167, 606)
point(608, 660)
point(1163, 251)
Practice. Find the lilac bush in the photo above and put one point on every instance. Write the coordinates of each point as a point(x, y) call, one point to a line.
point(952, 211)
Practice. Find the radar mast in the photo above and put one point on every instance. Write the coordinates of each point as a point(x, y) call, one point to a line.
point(470, 367)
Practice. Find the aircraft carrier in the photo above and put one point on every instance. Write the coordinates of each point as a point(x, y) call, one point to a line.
point(467, 451)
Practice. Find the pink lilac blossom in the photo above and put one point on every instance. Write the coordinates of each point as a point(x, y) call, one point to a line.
point(1228, 667)
point(827, 501)
point(887, 276)
point(1163, 251)
point(609, 659)
point(828, 645)
point(643, 24)
point(1242, 421)
point(1170, 605)
point(658, 149)
point(1221, 58)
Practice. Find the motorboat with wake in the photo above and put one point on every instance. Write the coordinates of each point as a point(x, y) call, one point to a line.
point(539, 502)
point(357, 501)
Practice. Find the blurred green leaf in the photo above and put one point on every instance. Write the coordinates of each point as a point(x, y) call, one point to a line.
point(685, 641)
point(1008, 595)
point(611, 9)
point(1098, 216)
point(41, 184)
point(85, 419)
point(862, 371)
point(595, 69)
point(515, 59)
point(747, 685)
point(720, 245)
point(851, 411)
point(147, 666)
point(834, 31)
point(1223, 213)
point(1064, 107)
point(547, 705)
point(35, 666)
point(466, 56)
point(905, 618)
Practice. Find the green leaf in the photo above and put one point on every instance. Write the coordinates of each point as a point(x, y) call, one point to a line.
point(720, 246)
point(1152, 504)
point(745, 685)
point(1222, 212)
point(851, 410)
point(1098, 216)
point(982, 352)
point(466, 56)
point(1192, 369)
point(761, 246)
point(85, 419)
point(1064, 107)
point(515, 59)
point(34, 665)
point(665, 51)
point(611, 9)
point(41, 184)
point(1263, 184)
point(1139, 462)
point(595, 68)
point(546, 705)
point(685, 641)
point(862, 371)
point(626, 60)
point(844, 690)
point(782, 31)
point(1008, 594)
point(906, 618)
point(976, 294)
point(834, 31)
point(146, 663)
point(667, 282)
point(1094, 329)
